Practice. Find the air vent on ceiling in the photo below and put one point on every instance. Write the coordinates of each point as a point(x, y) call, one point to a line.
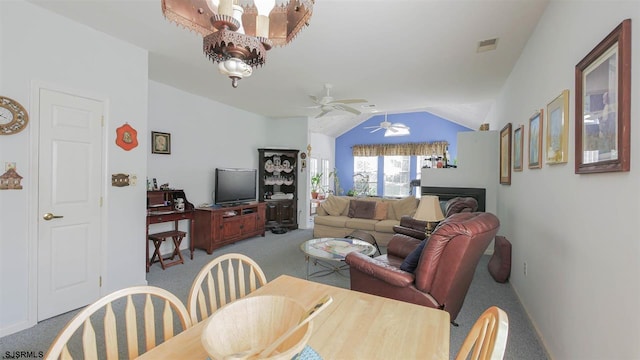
point(486, 45)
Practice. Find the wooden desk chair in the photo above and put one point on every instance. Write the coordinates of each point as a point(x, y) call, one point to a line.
point(126, 303)
point(221, 282)
point(488, 336)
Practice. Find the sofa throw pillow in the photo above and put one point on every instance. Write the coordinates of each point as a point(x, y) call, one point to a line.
point(335, 205)
point(410, 263)
point(362, 209)
point(381, 210)
point(406, 206)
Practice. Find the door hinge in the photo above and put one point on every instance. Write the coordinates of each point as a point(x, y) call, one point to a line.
point(102, 120)
point(100, 282)
point(100, 201)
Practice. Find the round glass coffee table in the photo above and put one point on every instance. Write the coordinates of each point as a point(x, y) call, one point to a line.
point(329, 253)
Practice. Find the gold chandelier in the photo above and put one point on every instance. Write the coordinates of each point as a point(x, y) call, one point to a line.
point(238, 34)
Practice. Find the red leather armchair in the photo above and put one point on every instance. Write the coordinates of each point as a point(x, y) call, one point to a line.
point(411, 227)
point(460, 204)
point(445, 269)
point(417, 228)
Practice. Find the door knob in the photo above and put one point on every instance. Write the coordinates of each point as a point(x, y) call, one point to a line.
point(49, 216)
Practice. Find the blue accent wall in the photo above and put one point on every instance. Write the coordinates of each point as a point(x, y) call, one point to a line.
point(425, 127)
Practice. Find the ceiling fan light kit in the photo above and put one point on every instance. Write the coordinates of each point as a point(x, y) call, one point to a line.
point(238, 33)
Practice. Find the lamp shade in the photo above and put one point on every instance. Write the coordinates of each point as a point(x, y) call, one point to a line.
point(429, 209)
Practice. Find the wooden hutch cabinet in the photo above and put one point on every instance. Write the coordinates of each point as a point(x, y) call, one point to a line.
point(278, 187)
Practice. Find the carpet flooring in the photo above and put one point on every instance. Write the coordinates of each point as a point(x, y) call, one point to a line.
point(280, 254)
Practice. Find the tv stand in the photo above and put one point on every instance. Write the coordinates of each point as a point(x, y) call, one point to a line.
point(234, 204)
point(214, 229)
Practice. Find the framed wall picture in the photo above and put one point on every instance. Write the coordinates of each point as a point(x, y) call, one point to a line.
point(505, 155)
point(557, 146)
point(603, 105)
point(518, 142)
point(535, 140)
point(160, 143)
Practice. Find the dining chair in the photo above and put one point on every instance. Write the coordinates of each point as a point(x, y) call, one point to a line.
point(223, 280)
point(487, 337)
point(114, 319)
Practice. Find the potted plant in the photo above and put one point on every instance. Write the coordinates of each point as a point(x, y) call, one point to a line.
point(315, 185)
point(336, 181)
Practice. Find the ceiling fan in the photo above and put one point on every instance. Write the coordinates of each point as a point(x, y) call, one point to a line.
point(391, 129)
point(327, 104)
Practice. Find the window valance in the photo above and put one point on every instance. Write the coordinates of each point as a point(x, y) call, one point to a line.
point(409, 149)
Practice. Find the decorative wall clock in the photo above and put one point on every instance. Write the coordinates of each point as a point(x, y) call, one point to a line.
point(13, 116)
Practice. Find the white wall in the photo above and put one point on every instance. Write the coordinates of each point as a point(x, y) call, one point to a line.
point(205, 134)
point(478, 166)
point(44, 48)
point(577, 233)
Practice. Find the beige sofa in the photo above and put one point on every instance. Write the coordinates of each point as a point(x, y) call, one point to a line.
point(339, 216)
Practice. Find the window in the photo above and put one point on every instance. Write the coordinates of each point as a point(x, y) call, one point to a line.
point(365, 175)
point(313, 167)
point(396, 176)
point(325, 173)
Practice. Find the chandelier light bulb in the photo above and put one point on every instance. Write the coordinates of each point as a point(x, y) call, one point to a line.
point(264, 6)
point(262, 19)
point(213, 5)
point(225, 7)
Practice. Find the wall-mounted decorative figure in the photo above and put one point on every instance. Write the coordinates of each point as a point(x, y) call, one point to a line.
point(126, 137)
point(10, 180)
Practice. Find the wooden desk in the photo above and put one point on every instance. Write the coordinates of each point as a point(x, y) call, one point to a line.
point(160, 209)
point(355, 326)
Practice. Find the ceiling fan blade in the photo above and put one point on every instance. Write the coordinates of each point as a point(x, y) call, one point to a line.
point(399, 126)
point(392, 129)
point(314, 98)
point(371, 127)
point(347, 108)
point(348, 101)
point(379, 128)
point(323, 113)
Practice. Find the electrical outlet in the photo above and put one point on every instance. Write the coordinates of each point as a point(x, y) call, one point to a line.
point(133, 180)
point(525, 268)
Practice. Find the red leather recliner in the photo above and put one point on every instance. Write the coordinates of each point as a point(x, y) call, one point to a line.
point(460, 204)
point(445, 269)
point(417, 228)
point(411, 227)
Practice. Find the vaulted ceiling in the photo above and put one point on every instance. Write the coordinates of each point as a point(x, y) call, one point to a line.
point(401, 56)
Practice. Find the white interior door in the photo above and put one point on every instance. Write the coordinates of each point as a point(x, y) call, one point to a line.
point(69, 202)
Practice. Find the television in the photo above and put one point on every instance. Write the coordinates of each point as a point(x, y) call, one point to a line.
point(235, 186)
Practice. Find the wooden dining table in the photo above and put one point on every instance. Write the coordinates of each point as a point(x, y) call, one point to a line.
point(355, 326)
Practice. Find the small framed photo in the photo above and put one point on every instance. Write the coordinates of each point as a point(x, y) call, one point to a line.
point(505, 155)
point(518, 142)
point(603, 105)
point(535, 140)
point(558, 129)
point(160, 143)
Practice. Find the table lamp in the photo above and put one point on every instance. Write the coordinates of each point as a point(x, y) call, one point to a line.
point(429, 210)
